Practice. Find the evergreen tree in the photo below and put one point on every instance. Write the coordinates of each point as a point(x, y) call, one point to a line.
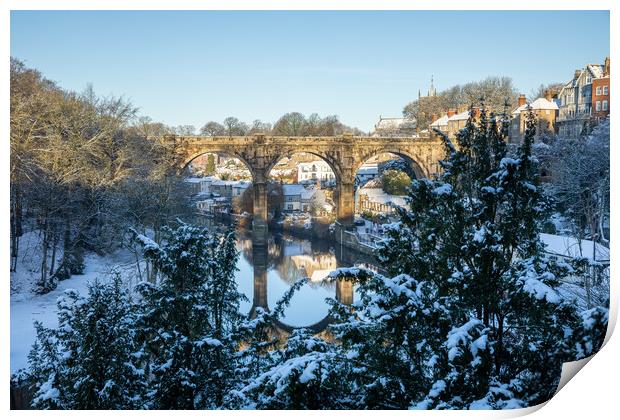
point(190, 318)
point(472, 317)
point(304, 372)
point(91, 361)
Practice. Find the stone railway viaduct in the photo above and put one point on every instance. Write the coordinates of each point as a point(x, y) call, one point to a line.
point(344, 154)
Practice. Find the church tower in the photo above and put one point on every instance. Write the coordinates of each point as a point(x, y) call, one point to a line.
point(432, 91)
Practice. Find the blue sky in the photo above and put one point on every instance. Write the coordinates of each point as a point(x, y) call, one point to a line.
point(195, 66)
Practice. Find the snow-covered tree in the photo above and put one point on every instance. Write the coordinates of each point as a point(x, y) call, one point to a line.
point(304, 372)
point(92, 360)
point(472, 317)
point(581, 181)
point(190, 318)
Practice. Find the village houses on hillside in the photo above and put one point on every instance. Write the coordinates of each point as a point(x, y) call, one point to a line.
point(582, 102)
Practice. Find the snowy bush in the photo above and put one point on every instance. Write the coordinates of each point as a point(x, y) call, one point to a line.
point(92, 360)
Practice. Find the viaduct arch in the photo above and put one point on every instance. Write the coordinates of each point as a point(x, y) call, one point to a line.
point(345, 155)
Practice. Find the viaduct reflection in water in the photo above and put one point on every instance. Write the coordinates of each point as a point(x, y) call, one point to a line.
point(280, 261)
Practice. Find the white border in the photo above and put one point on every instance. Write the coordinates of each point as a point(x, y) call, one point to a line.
point(593, 394)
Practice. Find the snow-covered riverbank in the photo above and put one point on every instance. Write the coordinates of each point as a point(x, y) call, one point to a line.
point(28, 307)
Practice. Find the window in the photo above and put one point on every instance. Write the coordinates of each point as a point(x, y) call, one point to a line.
point(598, 90)
point(605, 90)
point(598, 105)
point(605, 105)
point(547, 112)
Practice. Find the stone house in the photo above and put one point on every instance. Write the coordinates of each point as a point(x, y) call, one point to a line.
point(544, 109)
point(457, 121)
point(576, 108)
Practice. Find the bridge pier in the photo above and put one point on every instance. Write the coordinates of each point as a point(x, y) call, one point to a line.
point(260, 261)
point(345, 208)
point(344, 291)
point(260, 214)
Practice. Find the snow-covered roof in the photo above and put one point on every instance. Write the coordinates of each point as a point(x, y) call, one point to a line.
point(459, 117)
point(573, 247)
point(377, 195)
point(293, 189)
point(596, 70)
point(240, 184)
point(440, 121)
point(307, 194)
point(368, 170)
point(538, 104)
point(389, 123)
point(198, 179)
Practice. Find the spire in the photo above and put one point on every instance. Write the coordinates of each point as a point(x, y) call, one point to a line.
point(419, 94)
point(432, 91)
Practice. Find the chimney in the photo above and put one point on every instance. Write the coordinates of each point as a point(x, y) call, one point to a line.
point(451, 113)
point(606, 67)
point(577, 74)
point(434, 118)
point(548, 95)
point(521, 100)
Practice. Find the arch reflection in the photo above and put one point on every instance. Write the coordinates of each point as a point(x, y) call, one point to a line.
point(287, 259)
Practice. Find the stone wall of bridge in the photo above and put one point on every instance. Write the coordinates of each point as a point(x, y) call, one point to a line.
point(344, 154)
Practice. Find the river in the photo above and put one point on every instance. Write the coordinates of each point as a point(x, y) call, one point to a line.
point(267, 272)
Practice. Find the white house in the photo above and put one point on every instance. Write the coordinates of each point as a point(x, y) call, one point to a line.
point(292, 196)
point(213, 205)
point(316, 170)
point(298, 197)
point(229, 189)
point(367, 172)
point(201, 185)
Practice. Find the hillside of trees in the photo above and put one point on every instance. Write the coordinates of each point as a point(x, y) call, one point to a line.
point(85, 167)
point(496, 91)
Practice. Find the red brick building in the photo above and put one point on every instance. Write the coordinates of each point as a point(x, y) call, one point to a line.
point(600, 94)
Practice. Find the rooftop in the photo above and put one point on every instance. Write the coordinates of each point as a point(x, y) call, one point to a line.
point(440, 121)
point(538, 104)
point(377, 195)
point(293, 189)
point(460, 117)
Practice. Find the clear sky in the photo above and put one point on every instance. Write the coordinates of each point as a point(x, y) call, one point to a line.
point(195, 66)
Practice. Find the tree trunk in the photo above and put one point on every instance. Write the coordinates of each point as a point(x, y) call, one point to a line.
point(54, 247)
point(500, 344)
point(16, 225)
point(45, 246)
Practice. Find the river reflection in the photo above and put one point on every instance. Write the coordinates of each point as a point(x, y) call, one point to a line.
point(267, 271)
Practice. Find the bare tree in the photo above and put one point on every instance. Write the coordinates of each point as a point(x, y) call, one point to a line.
point(552, 88)
point(290, 124)
point(581, 181)
point(184, 130)
point(259, 127)
point(213, 128)
point(234, 127)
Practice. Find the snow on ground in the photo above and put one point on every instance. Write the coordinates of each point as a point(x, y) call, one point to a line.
point(27, 307)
